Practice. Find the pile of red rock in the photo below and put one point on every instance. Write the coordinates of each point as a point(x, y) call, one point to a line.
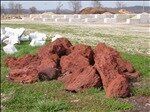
point(78, 67)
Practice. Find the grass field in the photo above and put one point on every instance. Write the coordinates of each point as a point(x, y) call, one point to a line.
point(51, 97)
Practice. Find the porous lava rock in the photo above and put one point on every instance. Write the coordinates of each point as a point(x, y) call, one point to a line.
point(60, 47)
point(135, 76)
point(48, 74)
point(81, 79)
point(49, 68)
point(84, 50)
point(44, 51)
point(21, 68)
point(51, 62)
point(78, 67)
point(46, 62)
point(110, 66)
point(24, 75)
point(119, 87)
point(73, 62)
point(18, 63)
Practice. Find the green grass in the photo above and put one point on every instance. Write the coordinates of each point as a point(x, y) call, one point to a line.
point(140, 63)
point(124, 43)
point(50, 96)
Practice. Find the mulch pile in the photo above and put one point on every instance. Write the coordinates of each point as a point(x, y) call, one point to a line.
point(92, 10)
point(78, 67)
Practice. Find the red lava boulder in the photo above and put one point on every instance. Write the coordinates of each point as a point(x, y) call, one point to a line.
point(48, 69)
point(44, 51)
point(80, 66)
point(48, 74)
point(24, 75)
point(133, 76)
point(60, 47)
point(81, 79)
point(73, 62)
point(119, 87)
point(110, 65)
point(51, 62)
point(84, 50)
point(24, 69)
point(27, 60)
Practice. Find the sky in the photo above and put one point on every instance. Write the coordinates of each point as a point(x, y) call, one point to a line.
point(46, 5)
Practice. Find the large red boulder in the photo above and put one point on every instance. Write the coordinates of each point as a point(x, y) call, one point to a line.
point(49, 68)
point(73, 62)
point(24, 69)
point(60, 47)
point(110, 65)
point(51, 62)
point(24, 75)
point(48, 74)
point(84, 50)
point(44, 51)
point(81, 79)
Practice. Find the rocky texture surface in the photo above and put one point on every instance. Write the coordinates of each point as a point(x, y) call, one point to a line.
point(73, 62)
point(84, 50)
point(81, 79)
point(18, 63)
point(78, 67)
point(24, 75)
point(112, 69)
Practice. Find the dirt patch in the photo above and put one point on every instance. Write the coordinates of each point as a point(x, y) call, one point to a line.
point(78, 67)
point(91, 10)
point(141, 103)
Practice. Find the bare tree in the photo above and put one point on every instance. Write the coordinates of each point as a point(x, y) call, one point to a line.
point(58, 7)
point(33, 10)
point(120, 4)
point(2, 8)
point(11, 7)
point(75, 5)
point(96, 4)
point(16, 8)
